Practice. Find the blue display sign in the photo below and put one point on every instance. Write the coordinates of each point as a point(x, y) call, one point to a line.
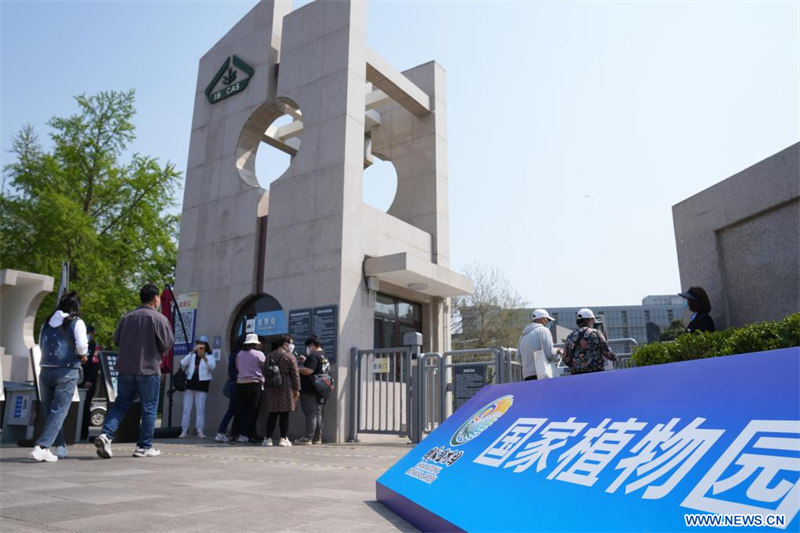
point(270, 323)
point(712, 442)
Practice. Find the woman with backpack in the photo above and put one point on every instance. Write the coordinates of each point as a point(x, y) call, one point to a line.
point(283, 390)
point(65, 346)
point(198, 366)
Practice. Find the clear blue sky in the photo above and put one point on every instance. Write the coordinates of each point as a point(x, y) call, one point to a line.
point(573, 127)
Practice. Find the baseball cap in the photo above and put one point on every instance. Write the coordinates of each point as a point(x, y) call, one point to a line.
point(541, 313)
point(585, 313)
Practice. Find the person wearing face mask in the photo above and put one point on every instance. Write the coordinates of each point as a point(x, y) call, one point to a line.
point(198, 366)
point(283, 399)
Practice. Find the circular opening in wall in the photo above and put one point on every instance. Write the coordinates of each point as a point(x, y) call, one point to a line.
point(380, 184)
point(281, 142)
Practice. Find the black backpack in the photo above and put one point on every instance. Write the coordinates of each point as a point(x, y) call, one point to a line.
point(272, 373)
point(323, 381)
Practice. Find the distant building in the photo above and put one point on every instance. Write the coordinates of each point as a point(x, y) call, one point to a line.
point(625, 321)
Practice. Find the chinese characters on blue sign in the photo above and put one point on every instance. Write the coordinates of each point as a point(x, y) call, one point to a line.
point(637, 449)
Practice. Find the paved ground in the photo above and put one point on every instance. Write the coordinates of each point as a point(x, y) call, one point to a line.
point(200, 486)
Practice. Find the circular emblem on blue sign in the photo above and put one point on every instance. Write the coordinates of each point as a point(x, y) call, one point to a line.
point(480, 421)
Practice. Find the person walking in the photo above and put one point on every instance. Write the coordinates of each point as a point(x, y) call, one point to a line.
point(700, 306)
point(64, 346)
point(283, 398)
point(249, 384)
point(311, 402)
point(142, 336)
point(198, 366)
point(535, 337)
point(585, 349)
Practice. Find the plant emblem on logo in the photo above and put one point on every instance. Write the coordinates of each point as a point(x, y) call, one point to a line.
point(480, 421)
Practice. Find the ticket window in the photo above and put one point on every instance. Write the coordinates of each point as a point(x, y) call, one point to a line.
point(262, 315)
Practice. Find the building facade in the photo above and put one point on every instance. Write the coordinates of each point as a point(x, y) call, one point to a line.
point(740, 241)
point(628, 321)
point(308, 255)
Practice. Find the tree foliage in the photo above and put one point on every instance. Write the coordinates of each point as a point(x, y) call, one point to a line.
point(79, 202)
point(675, 329)
point(486, 317)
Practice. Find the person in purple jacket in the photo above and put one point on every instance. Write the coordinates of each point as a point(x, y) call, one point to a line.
point(249, 384)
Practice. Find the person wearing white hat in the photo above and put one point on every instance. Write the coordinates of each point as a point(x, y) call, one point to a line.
point(586, 349)
point(536, 336)
point(249, 384)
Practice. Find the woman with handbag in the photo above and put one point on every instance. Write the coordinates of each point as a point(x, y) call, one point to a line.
point(283, 397)
point(198, 366)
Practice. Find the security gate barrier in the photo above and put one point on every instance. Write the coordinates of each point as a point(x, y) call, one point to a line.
point(396, 392)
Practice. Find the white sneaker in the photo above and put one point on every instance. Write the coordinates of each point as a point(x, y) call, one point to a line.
point(200, 434)
point(267, 442)
point(61, 451)
point(284, 443)
point(103, 445)
point(40, 454)
point(243, 439)
point(146, 452)
point(221, 437)
point(183, 435)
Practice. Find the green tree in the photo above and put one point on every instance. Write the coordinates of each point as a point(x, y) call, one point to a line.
point(80, 202)
point(675, 329)
point(489, 316)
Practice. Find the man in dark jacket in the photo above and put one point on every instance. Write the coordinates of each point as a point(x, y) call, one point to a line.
point(143, 336)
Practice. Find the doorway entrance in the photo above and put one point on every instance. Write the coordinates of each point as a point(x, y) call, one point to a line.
point(263, 315)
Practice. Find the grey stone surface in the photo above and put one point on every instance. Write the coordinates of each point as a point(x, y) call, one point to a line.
point(740, 241)
point(200, 486)
point(319, 231)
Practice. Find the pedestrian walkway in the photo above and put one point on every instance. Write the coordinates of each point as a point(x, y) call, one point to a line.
point(199, 485)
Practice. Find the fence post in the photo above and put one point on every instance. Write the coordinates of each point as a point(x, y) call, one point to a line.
point(355, 380)
point(413, 341)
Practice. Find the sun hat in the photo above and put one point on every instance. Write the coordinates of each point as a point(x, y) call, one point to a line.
point(251, 338)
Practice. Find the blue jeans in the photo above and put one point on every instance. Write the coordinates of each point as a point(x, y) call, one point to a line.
point(128, 386)
point(226, 418)
point(57, 387)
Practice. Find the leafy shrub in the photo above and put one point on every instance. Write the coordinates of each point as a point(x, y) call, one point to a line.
point(752, 338)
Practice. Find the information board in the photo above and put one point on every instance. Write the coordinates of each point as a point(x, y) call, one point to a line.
point(108, 365)
point(325, 325)
point(659, 448)
point(467, 381)
point(186, 305)
point(183, 345)
point(300, 327)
